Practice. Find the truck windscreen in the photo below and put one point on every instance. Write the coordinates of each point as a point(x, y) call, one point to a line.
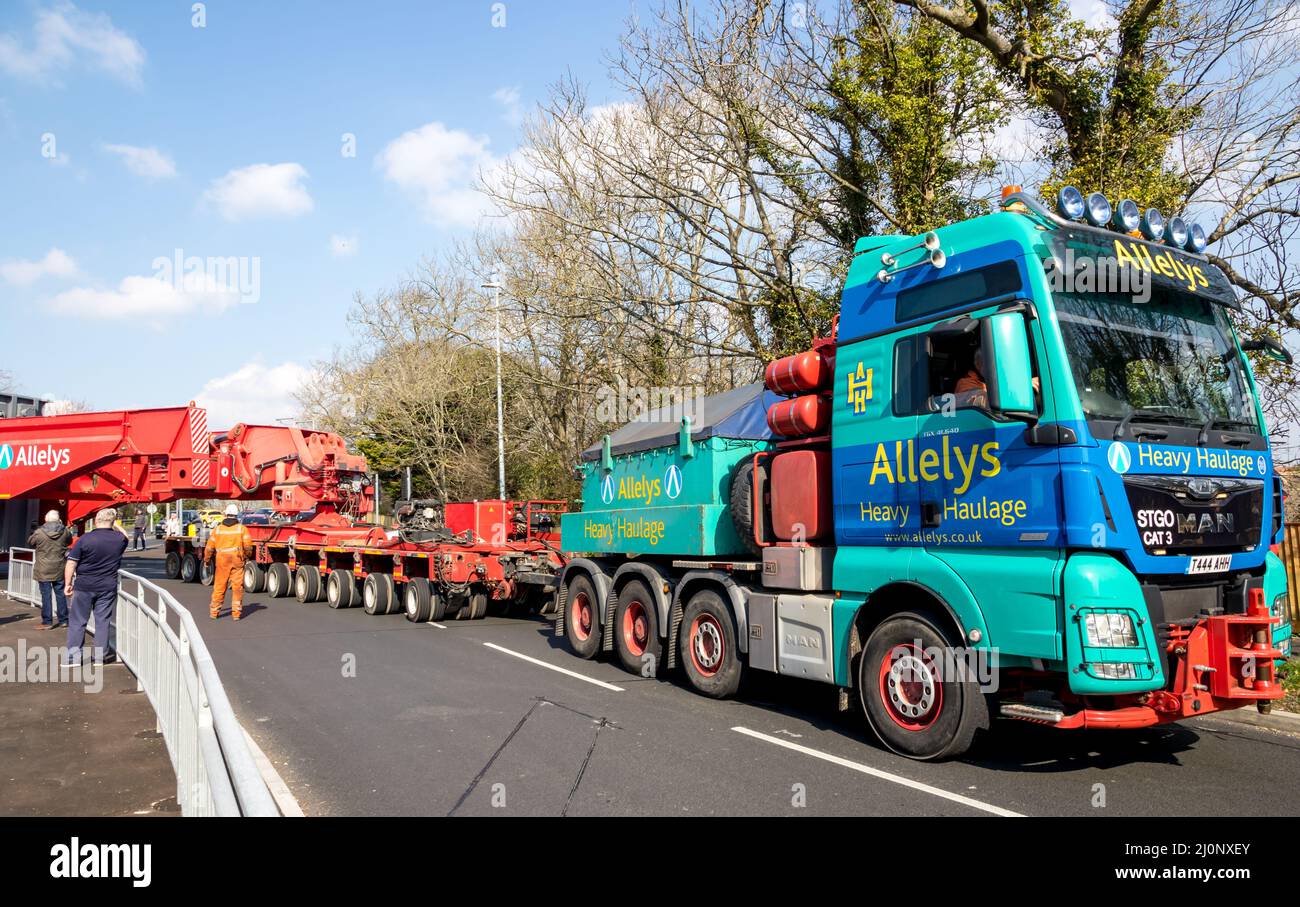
point(1169, 360)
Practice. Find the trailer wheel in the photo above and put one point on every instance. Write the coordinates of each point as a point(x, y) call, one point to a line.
point(636, 630)
point(377, 593)
point(708, 645)
point(582, 617)
point(912, 707)
point(208, 572)
point(306, 584)
point(417, 598)
point(478, 605)
point(279, 581)
point(341, 589)
point(190, 568)
point(254, 577)
point(172, 565)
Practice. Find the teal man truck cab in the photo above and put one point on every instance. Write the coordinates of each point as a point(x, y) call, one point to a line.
point(1027, 476)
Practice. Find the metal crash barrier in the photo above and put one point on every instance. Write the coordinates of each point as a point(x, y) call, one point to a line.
point(21, 585)
point(215, 771)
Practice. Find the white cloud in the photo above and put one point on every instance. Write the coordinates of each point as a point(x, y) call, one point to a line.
point(439, 166)
point(343, 246)
point(56, 263)
point(147, 162)
point(512, 107)
point(149, 298)
point(261, 190)
point(1093, 13)
point(255, 394)
point(63, 36)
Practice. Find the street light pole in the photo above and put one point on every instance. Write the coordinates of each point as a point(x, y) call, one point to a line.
point(495, 286)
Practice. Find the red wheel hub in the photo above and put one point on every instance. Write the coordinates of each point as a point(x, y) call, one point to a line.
point(910, 687)
point(708, 645)
point(636, 628)
point(580, 616)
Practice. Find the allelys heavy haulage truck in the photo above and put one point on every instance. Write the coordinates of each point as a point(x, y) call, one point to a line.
point(1027, 476)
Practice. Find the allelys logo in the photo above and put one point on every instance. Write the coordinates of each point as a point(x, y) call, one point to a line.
point(34, 455)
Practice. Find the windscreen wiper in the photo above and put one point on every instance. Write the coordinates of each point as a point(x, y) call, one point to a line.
point(1235, 440)
point(1146, 415)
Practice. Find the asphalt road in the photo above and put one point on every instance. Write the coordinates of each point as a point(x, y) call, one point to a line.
point(367, 715)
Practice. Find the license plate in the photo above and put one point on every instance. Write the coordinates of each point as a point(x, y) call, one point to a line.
point(1209, 563)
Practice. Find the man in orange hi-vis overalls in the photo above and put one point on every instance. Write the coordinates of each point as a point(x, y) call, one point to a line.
point(231, 545)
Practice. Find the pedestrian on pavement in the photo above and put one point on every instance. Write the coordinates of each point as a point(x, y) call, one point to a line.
point(92, 568)
point(139, 526)
point(51, 542)
point(231, 545)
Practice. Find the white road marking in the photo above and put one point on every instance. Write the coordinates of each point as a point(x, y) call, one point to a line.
point(434, 623)
point(538, 661)
point(280, 793)
point(877, 773)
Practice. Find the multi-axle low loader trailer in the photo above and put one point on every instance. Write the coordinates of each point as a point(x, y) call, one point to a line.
point(1027, 476)
point(440, 561)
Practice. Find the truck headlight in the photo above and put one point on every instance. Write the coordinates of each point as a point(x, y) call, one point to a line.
point(1110, 631)
point(1279, 605)
point(1113, 671)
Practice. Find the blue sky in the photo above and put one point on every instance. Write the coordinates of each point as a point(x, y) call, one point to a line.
point(127, 133)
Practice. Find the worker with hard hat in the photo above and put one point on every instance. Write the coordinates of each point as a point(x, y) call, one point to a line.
point(231, 545)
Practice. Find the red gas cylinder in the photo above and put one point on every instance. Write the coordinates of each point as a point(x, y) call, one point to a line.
point(797, 374)
point(808, 415)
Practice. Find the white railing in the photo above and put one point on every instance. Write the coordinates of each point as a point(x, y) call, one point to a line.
point(22, 581)
point(215, 771)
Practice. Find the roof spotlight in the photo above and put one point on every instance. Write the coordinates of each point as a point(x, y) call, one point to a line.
point(1153, 225)
point(1196, 239)
point(1069, 201)
point(1098, 210)
point(1176, 232)
point(1127, 216)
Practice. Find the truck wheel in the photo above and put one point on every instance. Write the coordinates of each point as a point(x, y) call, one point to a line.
point(741, 504)
point(377, 593)
point(254, 577)
point(418, 600)
point(341, 589)
point(172, 565)
point(582, 618)
point(708, 646)
point(913, 709)
point(279, 581)
point(636, 630)
point(306, 584)
point(189, 568)
point(207, 572)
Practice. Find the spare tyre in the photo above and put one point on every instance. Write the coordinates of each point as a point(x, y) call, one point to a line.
point(742, 503)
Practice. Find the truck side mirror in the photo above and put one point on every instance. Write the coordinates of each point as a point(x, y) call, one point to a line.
point(1009, 368)
point(1269, 347)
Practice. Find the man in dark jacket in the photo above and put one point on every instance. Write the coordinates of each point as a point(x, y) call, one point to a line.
point(93, 564)
point(50, 542)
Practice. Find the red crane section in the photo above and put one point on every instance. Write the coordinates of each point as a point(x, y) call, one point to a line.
point(97, 460)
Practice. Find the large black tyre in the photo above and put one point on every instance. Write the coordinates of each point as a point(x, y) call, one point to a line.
point(190, 568)
point(378, 593)
point(708, 645)
point(254, 577)
point(913, 709)
point(417, 600)
point(306, 584)
point(341, 589)
point(582, 617)
point(741, 503)
point(172, 565)
point(636, 630)
point(279, 580)
point(207, 572)
point(477, 605)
